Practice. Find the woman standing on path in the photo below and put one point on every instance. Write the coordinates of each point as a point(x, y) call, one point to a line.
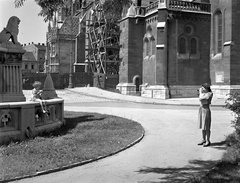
point(204, 117)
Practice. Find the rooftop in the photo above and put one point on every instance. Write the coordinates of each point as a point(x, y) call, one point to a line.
point(28, 56)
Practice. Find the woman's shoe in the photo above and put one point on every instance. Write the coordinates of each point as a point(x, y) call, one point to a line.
point(207, 144)
point(201, 143)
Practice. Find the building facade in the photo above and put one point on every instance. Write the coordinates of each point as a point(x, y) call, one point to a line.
point(34, 58)
point(225, 47)
point(29, 63)
point(62, 40)
point(169, 55)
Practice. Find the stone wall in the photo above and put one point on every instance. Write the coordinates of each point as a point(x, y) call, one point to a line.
point(235, 44)
point(23, 120)
point(188, 69)
point(225, 64)
point(220, 62)
point(59, 81)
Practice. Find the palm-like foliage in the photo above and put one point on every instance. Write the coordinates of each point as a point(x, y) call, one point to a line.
point(48, 7)
point(112, 8)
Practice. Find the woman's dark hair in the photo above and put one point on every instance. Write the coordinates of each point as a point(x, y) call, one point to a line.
point(207, 87)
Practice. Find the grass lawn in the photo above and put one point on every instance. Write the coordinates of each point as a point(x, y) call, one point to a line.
point(85, 136)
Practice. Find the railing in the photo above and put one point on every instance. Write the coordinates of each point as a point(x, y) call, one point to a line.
point(173, 5)
point(191, 6)
point(152, 7)
point(140, 11)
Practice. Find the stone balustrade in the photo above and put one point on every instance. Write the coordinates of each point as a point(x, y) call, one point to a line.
point(152, 7)
point(172, 5)
point(190, 6)
point(22, 120)
point(140, 11)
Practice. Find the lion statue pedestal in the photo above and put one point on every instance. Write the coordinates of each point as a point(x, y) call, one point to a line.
point(11, 63)
point(11, 73)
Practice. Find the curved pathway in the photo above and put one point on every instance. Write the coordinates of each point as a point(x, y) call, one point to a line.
point(167, 153)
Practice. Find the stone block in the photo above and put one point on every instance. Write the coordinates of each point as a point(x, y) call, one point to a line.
point(126, 88)
point(155, 91)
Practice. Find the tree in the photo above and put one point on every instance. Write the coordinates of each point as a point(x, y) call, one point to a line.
point(49, 7)
point(112, 8)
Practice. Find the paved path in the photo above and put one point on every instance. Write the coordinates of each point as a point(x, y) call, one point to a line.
point(168, 152)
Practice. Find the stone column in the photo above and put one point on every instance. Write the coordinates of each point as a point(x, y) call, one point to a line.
point(11, 73)
point(131, 39)
point(161, 90)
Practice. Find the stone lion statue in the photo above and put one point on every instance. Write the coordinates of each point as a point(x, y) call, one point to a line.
point(11, 31)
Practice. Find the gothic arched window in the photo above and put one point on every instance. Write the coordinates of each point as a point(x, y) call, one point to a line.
point(182, 45)
point(193, 46)
point(217, 28)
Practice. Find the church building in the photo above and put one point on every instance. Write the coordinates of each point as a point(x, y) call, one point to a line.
point(171, 47)
point(165, 48)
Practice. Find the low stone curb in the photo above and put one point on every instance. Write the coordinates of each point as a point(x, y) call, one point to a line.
point(143, 102)
point(76, 164)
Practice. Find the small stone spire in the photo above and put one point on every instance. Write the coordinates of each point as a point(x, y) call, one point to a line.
point(48, 89)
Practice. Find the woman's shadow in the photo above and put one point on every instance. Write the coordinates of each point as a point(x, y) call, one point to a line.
point(219, 145)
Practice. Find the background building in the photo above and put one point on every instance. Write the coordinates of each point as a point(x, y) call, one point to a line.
point(29, 63)
point(34, 57)
point(61, 39)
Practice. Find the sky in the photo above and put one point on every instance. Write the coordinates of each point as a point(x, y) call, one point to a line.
point(32, 27)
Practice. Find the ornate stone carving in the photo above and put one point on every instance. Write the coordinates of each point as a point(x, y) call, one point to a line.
point(5, 118)
point(14, 57)
point(2, 58)
point(11, 31)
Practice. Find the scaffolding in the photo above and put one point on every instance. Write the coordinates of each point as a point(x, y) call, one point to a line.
point(102, 43)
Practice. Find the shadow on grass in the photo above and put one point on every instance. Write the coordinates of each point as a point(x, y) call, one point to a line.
point(180, 175)
point(72, 119)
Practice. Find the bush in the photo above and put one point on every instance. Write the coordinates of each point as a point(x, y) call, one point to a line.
point(233, 103)
point(233, 140)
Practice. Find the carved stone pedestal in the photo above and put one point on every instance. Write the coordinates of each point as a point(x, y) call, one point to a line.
point(11, 73)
